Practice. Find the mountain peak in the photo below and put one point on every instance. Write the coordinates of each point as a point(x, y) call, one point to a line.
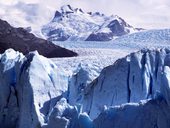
point(67, 9)
point(75, 24)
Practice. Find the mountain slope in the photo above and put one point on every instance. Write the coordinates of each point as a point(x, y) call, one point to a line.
point(75, 24)
point(23, 41)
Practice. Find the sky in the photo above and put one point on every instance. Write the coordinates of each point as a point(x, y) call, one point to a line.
point(148, 14)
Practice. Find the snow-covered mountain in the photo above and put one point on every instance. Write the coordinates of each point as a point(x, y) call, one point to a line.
point(74, 24)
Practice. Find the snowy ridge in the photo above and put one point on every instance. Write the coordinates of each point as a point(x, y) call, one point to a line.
point(75, 24)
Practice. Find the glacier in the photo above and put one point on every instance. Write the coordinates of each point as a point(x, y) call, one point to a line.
point(29, 105)
point(111, 84)
point(131, 79)
point(152, 114)
point(37, 93)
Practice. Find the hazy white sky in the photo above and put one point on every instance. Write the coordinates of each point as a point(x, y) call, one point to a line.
point(139, 13)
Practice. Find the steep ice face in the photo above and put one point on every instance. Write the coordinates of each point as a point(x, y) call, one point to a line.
point(78, 81)
point(9, 108)
point(35, 93)
point(75, 24)
point(131, 79)
point(30, 87)
point(139, 76)
point(44, 80)
point(140, 82)
point(150, 114)
point(165, 88)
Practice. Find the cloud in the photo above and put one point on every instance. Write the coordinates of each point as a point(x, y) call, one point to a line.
point(139, 13)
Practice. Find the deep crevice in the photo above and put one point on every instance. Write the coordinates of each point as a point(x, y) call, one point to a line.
point(156, 64)
point(128, 86)
point(68, 90)
point(112, 100)
point(150, 86)
point(143, 62)
point(16, 95)
point(103, 78)
point(91, 102)
point(26, 63)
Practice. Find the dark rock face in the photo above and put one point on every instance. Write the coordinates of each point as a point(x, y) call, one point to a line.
point(58, 14)
point(61, 36)
point(100, 37)
point(116, 28)
point(67, 9)
point(21, 40)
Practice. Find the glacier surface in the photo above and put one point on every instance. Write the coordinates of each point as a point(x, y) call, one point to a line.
point(36, 92)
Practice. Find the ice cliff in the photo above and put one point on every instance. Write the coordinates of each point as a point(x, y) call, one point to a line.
point(133, 92)
point(30, 87)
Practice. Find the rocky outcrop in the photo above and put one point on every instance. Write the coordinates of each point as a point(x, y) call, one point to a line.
point(100, 37)
point(23, 41)
point(117, 27)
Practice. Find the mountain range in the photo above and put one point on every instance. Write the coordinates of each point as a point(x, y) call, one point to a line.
point(74, 24)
